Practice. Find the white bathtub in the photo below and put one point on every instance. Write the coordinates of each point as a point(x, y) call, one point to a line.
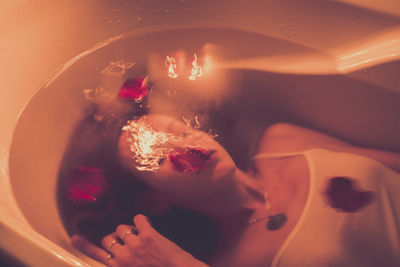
point(345, 59)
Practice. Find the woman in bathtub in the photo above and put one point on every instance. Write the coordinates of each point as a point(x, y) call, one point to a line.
point(311, 200)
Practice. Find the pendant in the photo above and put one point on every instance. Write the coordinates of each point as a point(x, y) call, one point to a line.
point(276, 221)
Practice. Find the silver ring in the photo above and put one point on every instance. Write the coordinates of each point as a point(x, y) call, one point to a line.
point(112, 244)
point(127, 233)
point(132, 231)
point(109, 256)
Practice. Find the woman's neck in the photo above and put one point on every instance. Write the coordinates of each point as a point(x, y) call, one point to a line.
point(237, 199)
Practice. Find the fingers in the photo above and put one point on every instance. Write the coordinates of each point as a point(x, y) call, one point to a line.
point(110, 243)
point(91, 250)
point(127, 233)
point(114, 248)
point(143, 224)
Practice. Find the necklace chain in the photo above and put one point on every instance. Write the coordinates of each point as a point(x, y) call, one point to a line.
point(267, 206)
point(275, 221)
point(253, 221)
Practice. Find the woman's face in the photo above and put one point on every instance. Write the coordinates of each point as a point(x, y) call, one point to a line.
point(180, 162)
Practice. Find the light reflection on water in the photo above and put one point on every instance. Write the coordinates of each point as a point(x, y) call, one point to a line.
point(4, 154)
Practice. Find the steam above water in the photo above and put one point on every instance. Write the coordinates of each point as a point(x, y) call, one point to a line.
point(189, 83)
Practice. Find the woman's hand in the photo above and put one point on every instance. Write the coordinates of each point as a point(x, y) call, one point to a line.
point(137, 246)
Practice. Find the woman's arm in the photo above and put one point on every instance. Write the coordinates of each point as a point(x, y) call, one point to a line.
point(140, 248)
point(284, 137)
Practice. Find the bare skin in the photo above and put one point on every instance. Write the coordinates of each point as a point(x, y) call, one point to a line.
point(291, 193)
point(148, 248)
point(233, 197)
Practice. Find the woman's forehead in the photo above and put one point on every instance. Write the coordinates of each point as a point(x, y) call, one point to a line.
point(147, 145)
point(167, 124)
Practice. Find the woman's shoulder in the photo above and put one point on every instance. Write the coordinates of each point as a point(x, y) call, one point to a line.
point(287, 138)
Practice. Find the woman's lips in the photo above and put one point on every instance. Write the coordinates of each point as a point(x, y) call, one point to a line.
point(190, 160)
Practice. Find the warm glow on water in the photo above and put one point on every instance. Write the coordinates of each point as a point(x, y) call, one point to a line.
point(170, 63)
point(196, 69)
point(148, 146)
point(118, 68)
point(195, 72)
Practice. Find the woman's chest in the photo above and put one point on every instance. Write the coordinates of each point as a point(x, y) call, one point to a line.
point(268, 228)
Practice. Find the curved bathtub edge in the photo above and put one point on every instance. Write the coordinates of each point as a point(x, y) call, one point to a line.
point(33, 249)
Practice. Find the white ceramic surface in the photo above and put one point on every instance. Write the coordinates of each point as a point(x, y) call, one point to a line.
point(359, 39)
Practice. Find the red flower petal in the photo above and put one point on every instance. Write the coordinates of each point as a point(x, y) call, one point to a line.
point(87, 184)
point(342, 195)
point(190, 160)
point(134, 89)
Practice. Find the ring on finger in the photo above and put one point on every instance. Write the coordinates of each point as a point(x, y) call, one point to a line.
point(112, 243)
point(109, 256)
point(132, 231)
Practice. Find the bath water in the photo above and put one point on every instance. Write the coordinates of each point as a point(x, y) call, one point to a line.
point(95, 193)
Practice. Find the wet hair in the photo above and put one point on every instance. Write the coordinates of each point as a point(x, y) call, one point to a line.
point(92, 152)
